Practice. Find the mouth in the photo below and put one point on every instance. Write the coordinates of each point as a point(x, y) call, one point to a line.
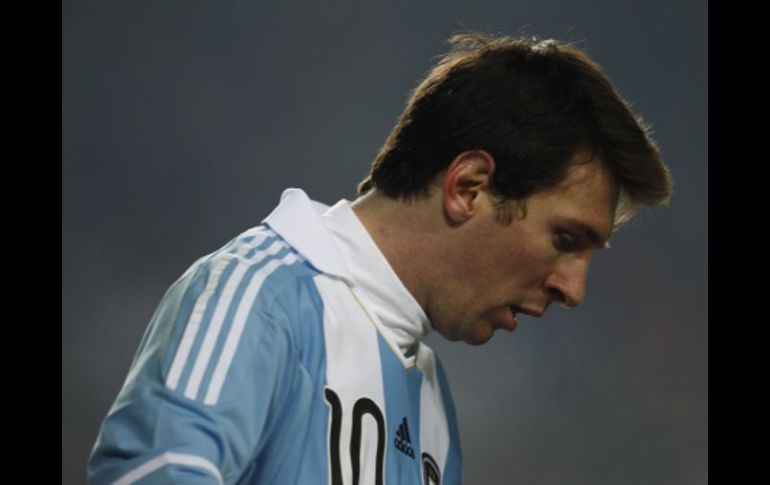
point(525, 311)
point(510, 322)
point(510, 319)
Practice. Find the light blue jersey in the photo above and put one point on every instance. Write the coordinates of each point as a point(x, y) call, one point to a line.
point(268, 362)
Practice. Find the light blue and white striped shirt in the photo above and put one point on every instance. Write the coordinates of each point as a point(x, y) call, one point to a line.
point(291, 355)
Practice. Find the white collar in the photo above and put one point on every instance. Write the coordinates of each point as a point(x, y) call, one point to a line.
point(335, 242)
point(298, 220)
point(374, 277)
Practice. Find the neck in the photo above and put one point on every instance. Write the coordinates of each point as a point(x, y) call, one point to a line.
point(408, 235)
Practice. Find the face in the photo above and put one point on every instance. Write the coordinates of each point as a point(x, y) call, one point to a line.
point(502, 271)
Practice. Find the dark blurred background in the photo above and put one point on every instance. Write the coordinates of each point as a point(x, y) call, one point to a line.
point(183, 121)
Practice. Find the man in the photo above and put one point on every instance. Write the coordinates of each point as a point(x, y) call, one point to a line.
point(294, 354)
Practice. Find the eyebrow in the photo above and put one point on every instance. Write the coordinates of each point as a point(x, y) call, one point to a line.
point(591, 234)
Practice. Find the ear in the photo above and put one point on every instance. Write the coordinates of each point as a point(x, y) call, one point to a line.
point(467, 177)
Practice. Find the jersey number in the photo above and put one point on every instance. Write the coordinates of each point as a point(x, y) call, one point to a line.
point(361, 407)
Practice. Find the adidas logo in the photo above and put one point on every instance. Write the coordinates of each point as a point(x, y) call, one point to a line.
point(403, 441)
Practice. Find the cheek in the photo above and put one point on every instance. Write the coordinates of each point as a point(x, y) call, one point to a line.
point(529, 263)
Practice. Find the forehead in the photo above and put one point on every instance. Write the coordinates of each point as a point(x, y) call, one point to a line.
point(582, 177)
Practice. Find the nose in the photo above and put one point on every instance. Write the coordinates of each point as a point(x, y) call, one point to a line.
point(567, 285)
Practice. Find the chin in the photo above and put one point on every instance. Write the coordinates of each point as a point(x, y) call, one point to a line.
point(478, 336)
point(476, 341)
point(477, 333)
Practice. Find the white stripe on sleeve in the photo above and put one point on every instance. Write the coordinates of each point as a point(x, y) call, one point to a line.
point(169, 459)
point(239, 322)
point(220, 312)
point(193, 324)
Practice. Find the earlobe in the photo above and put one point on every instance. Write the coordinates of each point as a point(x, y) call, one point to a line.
point(466, 178)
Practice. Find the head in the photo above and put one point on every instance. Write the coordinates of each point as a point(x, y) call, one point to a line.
point(532, 105)
point(534, 159)
point(499, 260)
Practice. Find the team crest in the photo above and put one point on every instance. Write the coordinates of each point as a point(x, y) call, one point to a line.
point(430, 472)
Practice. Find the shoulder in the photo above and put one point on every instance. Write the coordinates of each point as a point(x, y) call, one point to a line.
point(258, 274)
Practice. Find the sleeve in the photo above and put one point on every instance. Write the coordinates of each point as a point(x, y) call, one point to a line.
point(205, 389)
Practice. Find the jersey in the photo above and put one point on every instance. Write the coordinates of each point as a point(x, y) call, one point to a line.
point(268, 362)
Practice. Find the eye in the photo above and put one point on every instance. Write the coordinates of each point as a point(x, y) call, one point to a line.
point(565, 241)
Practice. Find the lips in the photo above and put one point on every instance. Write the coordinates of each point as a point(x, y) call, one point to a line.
point(509, 319)
point(510, 323)
point(526, 311)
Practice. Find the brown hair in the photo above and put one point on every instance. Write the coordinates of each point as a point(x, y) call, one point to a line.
point(532, 104)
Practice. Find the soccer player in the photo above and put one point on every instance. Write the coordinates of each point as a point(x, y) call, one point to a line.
point(294, 353)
